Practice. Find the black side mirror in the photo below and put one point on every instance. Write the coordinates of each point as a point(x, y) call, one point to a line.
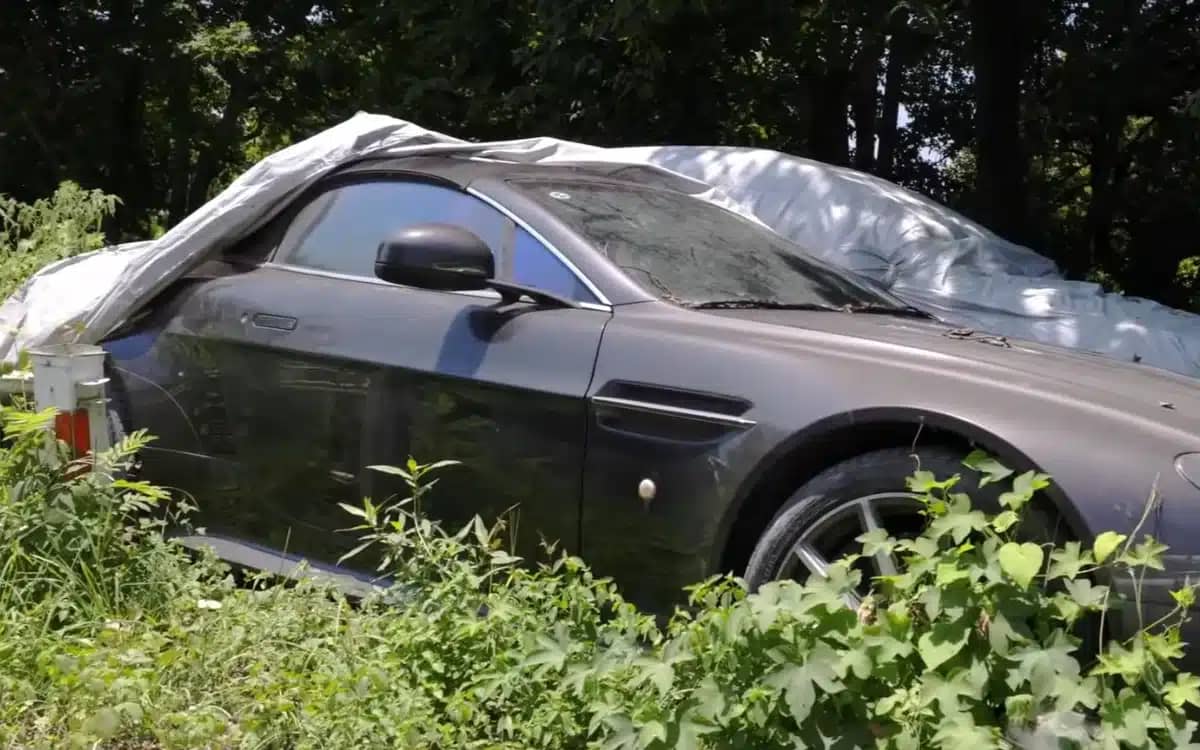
point(435, 256)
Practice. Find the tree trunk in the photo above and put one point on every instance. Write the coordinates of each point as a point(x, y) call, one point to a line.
point(181, 123)
point(829, 139)
point(1117, 22)
point(223, 140)
point(998, 49)
point(866, 84)
point(893, 82)
point(1100, 210)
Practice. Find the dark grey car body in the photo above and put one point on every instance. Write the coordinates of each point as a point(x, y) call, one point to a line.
point(271, 387)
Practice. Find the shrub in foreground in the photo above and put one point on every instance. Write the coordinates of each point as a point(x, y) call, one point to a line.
point(972, 642)
point(33, 235)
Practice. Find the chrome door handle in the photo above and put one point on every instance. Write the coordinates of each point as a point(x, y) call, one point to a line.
point(276, 322)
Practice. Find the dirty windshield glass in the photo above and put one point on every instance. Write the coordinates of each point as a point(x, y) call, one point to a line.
point(689, 251)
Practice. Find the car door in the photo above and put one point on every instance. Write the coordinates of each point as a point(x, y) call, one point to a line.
point(327, 370)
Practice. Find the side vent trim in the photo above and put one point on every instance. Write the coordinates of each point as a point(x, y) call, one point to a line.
point(675, 411)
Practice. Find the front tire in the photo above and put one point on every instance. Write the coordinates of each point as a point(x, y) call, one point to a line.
point(819, 523)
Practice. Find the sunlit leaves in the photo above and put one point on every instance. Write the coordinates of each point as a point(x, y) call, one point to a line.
point(942, 642)
point(1021, 562)
point(925, 482)
point(1128, 662)
point(958, 522)
point(800, 682)
point(1146, 554)
point(1005, 520)
point(1068, 561)
point(1039, 666)
point(1183, 690)
point(1106, 543)
point(991, 469)
point(1023, 489)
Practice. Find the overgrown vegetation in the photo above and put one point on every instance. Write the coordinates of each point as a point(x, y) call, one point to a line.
point(112, 637)
point(33, 235)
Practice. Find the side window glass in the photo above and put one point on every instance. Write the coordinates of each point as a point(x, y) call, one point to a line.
point(534, 265)
point(340, 230)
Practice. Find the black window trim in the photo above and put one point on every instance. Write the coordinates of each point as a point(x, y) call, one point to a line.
point(580, 277)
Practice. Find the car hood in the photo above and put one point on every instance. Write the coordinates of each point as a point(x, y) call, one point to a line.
point(1148, 392)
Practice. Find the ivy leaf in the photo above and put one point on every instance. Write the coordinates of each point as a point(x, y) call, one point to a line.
point(1106, 544)
point(799, 681)
point(1021, 562)
point(1128, 718)
point(1148, 554)
point(1166, 647)
point(945, 692)
point(958, 524)
point(992, 470)
point(854, 661)
point(887, 649)
point(1079, 595)
point(686, 735)
point(1067, 561)
point(1024, 487)
point(1000, 634)
point(1085, 594)
point(1128, 663)
point(1068, 611)
point(1182, 734)
point(1184, 597)
point(876, 541)
point(1041, 665)
point(551, 654)
point(1004, 521)
point(658, 673)
point(961, 730)
point(925, 482)
point(623, 734)
point(942, 642)
point(1070, 692)
point(949, 572)
point(709, 700)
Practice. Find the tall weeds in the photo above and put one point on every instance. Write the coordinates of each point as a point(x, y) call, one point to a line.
point(112, 636)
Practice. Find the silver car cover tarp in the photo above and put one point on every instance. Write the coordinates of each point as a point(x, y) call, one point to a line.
point(924, 253)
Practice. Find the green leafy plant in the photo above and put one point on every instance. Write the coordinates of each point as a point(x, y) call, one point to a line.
point(75, 536)
point(972, 641)
point(32, 235)
point(112, 637)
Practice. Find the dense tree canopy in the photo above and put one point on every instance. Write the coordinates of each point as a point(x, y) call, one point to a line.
point(1070, 125)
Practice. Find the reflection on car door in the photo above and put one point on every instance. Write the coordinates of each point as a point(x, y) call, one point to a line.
point(328, 370)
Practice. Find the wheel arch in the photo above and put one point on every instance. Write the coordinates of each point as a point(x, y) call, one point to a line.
point(806, 453)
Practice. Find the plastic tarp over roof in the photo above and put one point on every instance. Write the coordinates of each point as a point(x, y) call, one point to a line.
point(926, 254)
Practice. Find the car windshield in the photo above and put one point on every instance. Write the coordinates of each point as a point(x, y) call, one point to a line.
point(692, 252)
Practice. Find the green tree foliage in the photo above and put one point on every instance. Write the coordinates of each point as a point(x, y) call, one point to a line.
point(1070, 125)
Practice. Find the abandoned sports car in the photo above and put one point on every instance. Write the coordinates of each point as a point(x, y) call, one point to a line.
point(663, 386)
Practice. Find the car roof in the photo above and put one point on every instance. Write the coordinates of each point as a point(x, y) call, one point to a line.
point(463, 169)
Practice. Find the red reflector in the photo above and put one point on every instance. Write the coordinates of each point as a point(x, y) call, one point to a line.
point(73, 428)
